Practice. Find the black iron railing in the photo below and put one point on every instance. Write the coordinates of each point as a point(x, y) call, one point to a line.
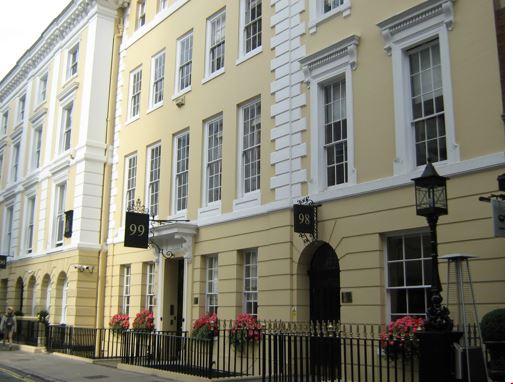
point(29, 332)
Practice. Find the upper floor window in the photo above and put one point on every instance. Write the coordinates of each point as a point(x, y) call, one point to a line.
point(321, 10)
point(250, 291)
point(157, 90)
point(211, 286)
point(215, 42)
point(252, 25)
point(408, 274)
point(1, 166)
point(29, 234)
point(9, 218)
point(5, 122)
point(67, 114)
point(151, 297)
point(15, 162)
point(213, 167)
point(181, 171)
point(41, 88)
point(250, 153)
point(126, 276)
point(21, 108)
point(153, 179)
point(135, 93)
point(131, 177)
point(162, 5)
point(427, 103)
point(141, 13)
point(72, 68)
point(36, 146)
point(60, 204)
point(184, 63)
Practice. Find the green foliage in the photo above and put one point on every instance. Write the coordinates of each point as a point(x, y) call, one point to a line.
point(493, 325)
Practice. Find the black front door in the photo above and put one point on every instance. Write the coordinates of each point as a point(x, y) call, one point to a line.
point(179, 298)
point(325, 356)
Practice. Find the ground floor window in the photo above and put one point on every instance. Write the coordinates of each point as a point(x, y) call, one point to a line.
point(151, 299)
point(125, 289)
point(250, 293)
point(211, 291)
point(408, 267)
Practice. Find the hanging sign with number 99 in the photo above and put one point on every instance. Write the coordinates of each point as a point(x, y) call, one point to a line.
point(304, 218)
point(136, 230)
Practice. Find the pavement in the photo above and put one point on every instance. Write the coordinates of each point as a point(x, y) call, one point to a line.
point(16, 365)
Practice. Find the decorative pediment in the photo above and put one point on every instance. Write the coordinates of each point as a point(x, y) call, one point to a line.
point(175, 238)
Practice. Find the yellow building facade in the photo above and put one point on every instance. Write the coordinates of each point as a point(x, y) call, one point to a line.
point(229, 112)
point(53, 153)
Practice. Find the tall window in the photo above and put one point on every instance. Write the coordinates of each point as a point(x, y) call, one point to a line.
point(331, 4)
point(125, 289)
point(1, 166)
point(215, 42)
point(41, 88)
point(151, 298)
point(64, 302)
point(36, 155)
point(212, 291)
point(335, 132)
point(162, 4)
point(67, 114)
point(15, 165)
point(135, 93)
point(48, 296)
point(72, 68)
point(250, 293)
point(131, 178)
point(181, 171)
point(141, 13)
point(408, 274)
point(252, 25)
point(153, 179)
point(214, 140)
point(5, 121)
point(9, 217)
point(21, 108)
point(427, 103)
point(184, 67)
point(29, 234)
point(157, 91)
point(60, 203)
point(251, 146)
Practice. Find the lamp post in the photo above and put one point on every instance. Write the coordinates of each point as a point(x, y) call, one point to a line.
point(431, 202)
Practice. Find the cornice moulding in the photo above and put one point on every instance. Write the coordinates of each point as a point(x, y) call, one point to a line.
point(38, 114)
point(66, 92)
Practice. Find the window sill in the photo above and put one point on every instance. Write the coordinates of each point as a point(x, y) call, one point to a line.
point(344, 9)
point(132, 119)
point(248, 200)
point(69, 79)
point(249, 55)
point(180, 215)
point(182, 92)
point(212, 76)
point(155, 107)
point(213, 209)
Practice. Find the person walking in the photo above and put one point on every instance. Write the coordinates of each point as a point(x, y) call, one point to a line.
point(8, 325)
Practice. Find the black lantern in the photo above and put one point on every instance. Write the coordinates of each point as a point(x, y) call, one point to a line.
point(430, 193)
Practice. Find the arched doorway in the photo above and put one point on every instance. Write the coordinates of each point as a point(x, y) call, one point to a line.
point(324, 278)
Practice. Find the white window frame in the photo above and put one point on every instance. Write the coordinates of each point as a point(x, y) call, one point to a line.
point(243, 54)
point(64, 301)
point(178, 89)
point(128, 188)
point(246, 292)
point(206, 163)
point(211, 23)
point(149, 180)
point(21, 111)
point(66, 112)
point(72, 61)
point(141, 14)
point(425, 259)
point(32, 294)
point(211, 283)
point(5, 122)
point(59, 209)
point(42, 87)
point(321, 68)
point(126, 276)
point(134, 96)
point(317, 14)
point(48, 301)
point(154, 81)
point(1, 166)
point(30, 213)
point(14, 175)
point(424, 23)
point(162, 4)
point(8, 225)
point(151, 297)
point(37, 143)
point(182, 213)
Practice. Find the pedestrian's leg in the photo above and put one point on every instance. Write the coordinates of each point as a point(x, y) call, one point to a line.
point(10, 332)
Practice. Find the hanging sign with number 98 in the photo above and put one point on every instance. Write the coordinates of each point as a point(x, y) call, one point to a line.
point(304, 218)
point(136, 230)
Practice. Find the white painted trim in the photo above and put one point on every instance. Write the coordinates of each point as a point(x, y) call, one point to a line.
point(317, 16)
point(212, 76)
point(147, 180)
point(178, 92)
point(182, 214)
point(125, 181)
point(243, 56)
point(204, 187)
point(208, 42)
point(131, 75)
point(248, 55)
point(151, 105)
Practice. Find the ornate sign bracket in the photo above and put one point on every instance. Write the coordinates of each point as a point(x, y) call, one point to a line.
point(305, 220)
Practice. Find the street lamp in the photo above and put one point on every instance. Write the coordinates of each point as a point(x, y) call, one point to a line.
point(431, 202)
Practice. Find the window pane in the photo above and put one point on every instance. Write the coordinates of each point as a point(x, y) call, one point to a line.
point(412, 247)
point(395, 248)
point(398, 301)
point(416, 300)
point(413, 273)
point(395, 274)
